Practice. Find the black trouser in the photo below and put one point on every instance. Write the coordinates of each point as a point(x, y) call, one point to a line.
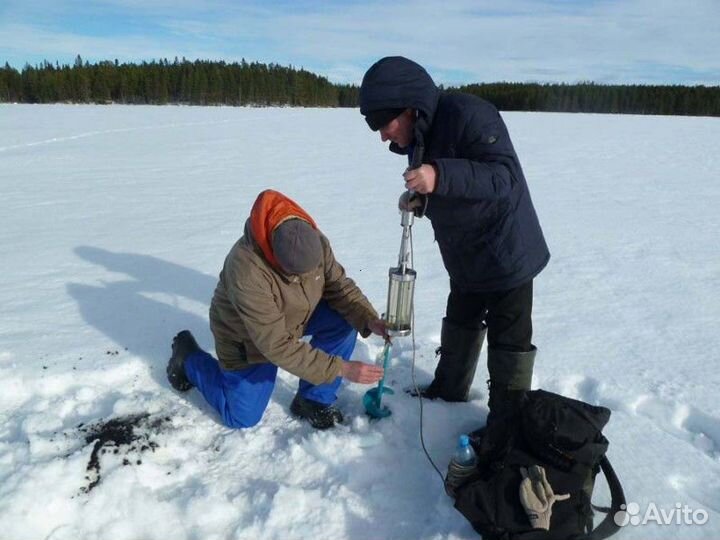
point(507, 314)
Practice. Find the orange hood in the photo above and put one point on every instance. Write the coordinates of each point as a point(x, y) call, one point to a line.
point(271, 208)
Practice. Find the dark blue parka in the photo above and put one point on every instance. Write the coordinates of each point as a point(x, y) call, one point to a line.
point(484, 220)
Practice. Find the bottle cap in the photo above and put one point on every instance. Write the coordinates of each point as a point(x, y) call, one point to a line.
point(464, 440)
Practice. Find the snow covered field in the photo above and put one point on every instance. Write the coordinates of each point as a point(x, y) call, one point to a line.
point(115, 222)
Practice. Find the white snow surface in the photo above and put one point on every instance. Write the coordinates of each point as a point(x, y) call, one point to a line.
point(115, 223)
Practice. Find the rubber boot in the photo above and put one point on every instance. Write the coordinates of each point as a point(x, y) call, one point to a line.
point(510, 380)
point(459, 352)
point(510, 377)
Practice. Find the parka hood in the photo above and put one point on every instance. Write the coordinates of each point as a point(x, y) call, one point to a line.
point(396, 82)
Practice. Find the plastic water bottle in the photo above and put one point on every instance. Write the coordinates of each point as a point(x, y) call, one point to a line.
point(462, 465)
point(464, 453)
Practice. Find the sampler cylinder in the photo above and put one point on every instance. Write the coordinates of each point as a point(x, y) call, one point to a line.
point(400, 301)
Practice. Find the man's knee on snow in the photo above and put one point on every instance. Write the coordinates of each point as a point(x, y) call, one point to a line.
point(242, 420)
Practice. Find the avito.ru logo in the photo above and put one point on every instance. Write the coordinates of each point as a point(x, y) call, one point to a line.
point(680, 514)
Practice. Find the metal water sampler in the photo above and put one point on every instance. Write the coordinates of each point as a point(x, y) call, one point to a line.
point(401, 286)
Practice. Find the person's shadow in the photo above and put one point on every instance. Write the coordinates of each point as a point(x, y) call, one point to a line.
point(142, 313)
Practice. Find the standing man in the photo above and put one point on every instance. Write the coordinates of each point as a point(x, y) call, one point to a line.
point(280, 282)
point(465, 177)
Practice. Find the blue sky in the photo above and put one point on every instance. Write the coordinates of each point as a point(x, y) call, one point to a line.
point(607, 41)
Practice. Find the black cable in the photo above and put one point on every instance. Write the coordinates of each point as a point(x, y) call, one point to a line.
point(417, 390)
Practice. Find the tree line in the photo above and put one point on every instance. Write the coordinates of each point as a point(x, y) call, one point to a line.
point(597, 98)
point(203, 82)
point(161, 82)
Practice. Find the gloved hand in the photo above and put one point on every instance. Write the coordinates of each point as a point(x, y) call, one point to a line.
point(413, 202)
point(537, 496)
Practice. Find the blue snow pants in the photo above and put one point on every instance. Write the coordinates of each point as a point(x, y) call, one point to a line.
point(241, 396)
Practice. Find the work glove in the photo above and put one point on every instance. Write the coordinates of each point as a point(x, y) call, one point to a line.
point(413, 202)
point(537, 496)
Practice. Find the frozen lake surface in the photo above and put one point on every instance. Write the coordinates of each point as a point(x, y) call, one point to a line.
point(115, 223)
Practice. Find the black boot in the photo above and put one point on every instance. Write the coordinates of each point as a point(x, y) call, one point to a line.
point(183, 345)
point(459, 352)
point(510, 379)
point(320, 416)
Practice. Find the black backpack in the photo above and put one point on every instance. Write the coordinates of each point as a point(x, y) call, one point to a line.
point(562, 435)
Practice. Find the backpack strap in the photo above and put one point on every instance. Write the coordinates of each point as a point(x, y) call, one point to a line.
point(607, 526)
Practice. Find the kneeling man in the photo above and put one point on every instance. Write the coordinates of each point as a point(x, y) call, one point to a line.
point(280, 282)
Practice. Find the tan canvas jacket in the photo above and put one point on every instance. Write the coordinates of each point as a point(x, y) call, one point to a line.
point(259, 314)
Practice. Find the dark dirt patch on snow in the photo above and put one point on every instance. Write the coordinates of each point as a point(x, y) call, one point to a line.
point(125, 436)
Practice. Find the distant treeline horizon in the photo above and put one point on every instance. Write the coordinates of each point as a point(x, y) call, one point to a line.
point(204, 82)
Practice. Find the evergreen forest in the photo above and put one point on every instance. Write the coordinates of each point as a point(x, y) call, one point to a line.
point(203, 82)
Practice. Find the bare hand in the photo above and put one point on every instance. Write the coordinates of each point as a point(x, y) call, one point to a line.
point(379, 328)
point(422, 180)
point(360, 372)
